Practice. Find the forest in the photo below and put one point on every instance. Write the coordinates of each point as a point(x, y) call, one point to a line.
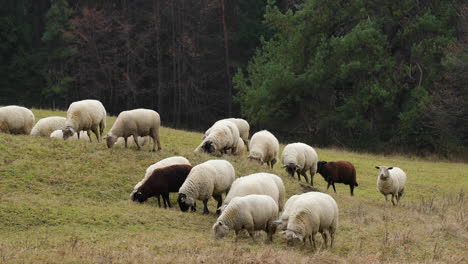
point(366, 75)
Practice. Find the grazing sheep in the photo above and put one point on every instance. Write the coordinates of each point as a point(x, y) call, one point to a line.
point(211, 178)
point(137, 123)
point(338, 172)
point(59, 135)
point(314, 212)
point(45, 126)
point(242, 125)
point(240, 148)
point(87, 115)
point(252, 212)
point(258, 183)
point(142, 141)
point(175, 160)
point(161, 182)
point(391, 180)
point(222, 136)
point(300, 158)
point(16, 120)
point(264, 147)
point(287, 210)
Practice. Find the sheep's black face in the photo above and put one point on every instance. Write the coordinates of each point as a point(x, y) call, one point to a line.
point(181, 201)
point(208, 147)
point(291, 169)
point(139, 196)
point(321, 166)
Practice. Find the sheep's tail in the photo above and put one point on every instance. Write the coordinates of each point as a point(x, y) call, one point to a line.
point(355, 184)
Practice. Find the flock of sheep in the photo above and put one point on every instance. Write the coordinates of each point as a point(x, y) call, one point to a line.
point(255, 202)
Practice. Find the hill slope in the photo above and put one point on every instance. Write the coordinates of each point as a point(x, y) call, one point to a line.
point(68, 202)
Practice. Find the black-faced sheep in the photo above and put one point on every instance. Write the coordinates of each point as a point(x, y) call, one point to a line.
point(162, 182)
point(300, 158)
point(338, 172)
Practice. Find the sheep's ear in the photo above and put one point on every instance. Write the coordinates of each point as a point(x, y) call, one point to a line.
point(377, 167)
point(390, 168)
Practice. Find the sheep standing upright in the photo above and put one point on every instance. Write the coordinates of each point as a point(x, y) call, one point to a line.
point(45, 126)
point(264, 148)
point(211, 178)
point(136, 123)
point(313, 213)
point(391, 180)
point(252, 212)
point(338, 172)
point(87, 115)
point(300, 158)
point(16, 120)
point(220, 138)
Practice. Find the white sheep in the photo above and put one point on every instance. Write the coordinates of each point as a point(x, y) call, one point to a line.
point(264, 147)
point(137, 123)
point(300, 158)
point(211, 178)
point(174, 160)
point(258, 183)
point(240, 149)
point(242, 125)
point(391, 180)
point(222, 136)
point(59, 135)
point(16, 120)
point(88, 115)
point(287, 210)
point(142, 141)
point(252, 212)
point(313, 213)
point(45, 126)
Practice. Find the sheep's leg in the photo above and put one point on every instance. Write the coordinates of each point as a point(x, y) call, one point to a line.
point(246, 143)
point(271, 229)
point(205, 207)
point(101, 127)
point(351, 187)
point(219, 199)
point(251, 233)
point(325, 238)
point(95, 131)
point(89, 135)
point(313, 241)
point(393, 202)
point(194, 207)
point(159, 200)
point(305, 176)
point(155, 133)
point(332, 237)
point(273, 162)
point(166, 199)
point(125, 139)
point(333, 185)
point(237, 235)
point(328, 186)
point(136, 142)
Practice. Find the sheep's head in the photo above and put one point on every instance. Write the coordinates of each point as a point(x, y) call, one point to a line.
point(255, 157)
point(291, 168)
point(220, 230)
point(110, 140)
point(139, 196)
point(68, 132)
point(383, 172)
point(321, 166)
point(209, 147)
point(185, 202)
point(292, 237)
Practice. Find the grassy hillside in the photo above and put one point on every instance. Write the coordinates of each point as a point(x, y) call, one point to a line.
point(68, 202)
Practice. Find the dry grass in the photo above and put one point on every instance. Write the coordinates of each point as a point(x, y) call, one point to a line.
point(67, 202)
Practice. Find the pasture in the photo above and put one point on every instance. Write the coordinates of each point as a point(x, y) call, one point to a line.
point(68, 202)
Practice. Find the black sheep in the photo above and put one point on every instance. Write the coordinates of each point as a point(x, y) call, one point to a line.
point(338, 172)
point(161, 182)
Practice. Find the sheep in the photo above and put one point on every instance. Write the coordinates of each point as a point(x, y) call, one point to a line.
point(211, 178)
point(264, 147)
point(45, 126)
point(252, 212)
point(175, 160)
point(258, 183)
point(242, 125)
point(287, 210)
point(240, 148)
point(59, 135)
point(338, 172)
point(314, 212)
point(222, 136)
point(391, 180)
point(137, 123)
point(142, 141)
point(300, 158)
point(161, 182)
point(16, 120)
point(88, 115)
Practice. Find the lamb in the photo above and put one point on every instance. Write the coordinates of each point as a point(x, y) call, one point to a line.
point(136, 123)
point(175, 160)
point(252, 212)
point(300, 158)
point(222, 136)
point(264, 147)
point(211, 178)
point(242, 125)
point(391, 180)
point(314, 212)
point(16, 120)
point(161, 182)
point(45, 126)
point(338, 172)
point(59, 135)
point(142, 141)
point(87, 115)
point(258, 183)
